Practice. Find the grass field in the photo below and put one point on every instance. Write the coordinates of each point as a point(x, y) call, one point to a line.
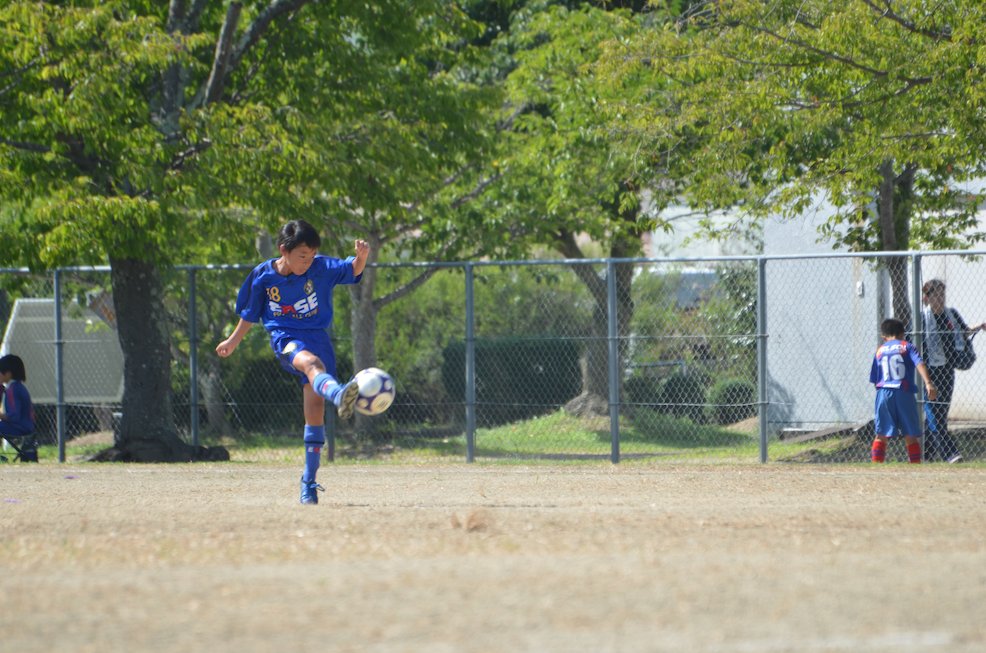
point(642, 556)
point(559, 436)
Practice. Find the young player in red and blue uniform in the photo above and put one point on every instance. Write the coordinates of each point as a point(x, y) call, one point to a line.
point(292, 297)
point(892, 372)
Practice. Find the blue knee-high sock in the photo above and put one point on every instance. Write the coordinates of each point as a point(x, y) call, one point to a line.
point(314, 439)
point(326, 385)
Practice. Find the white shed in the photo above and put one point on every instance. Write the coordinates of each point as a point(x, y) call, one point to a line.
point(93, 360)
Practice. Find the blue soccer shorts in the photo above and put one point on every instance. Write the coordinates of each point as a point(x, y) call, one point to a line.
point(896, 413)
point(287, 343)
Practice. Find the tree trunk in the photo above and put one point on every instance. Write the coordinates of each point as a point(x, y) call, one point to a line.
point(212, 398)
point(147, 428)
point(366, 307)
point(900, 299)
point(596, 380)
point(894, 206)
point(595, 362)
point(364, 321)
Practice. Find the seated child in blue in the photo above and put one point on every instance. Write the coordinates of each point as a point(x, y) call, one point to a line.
point(17, 417)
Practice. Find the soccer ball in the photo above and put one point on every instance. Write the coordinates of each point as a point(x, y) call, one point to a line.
point(376, 391)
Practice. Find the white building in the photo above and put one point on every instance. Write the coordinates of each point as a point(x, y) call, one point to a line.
point(823, 318)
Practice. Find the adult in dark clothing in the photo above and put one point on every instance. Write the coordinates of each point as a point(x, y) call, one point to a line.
point(945, 337)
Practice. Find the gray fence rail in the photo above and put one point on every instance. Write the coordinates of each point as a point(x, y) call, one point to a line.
point(729, 358)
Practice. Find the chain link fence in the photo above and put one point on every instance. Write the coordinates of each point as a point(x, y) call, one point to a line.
point(721, 359)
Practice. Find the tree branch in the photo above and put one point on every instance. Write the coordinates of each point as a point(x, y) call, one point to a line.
point(27, 147)
point(16, 74)
point(887, 12)
point(221, 62)
point(825, 54)
point(261, 23)
point(228, 57)
point(406, 289)
point(179, 161)
point(481, 186)
point(176, 15)
point(194, 14)
point(171, 95)
point(845, 103)
point(417, 281)
point(885, 205)
point(566, 244)
point(833, 56)
point(508, 122)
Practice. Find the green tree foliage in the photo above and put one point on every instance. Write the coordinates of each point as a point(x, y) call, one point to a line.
point(875, 106)
point(533, 302)
point(730, 309)
point(139, 133)
point(564, 177)
point(564, 184)
point(671, 336)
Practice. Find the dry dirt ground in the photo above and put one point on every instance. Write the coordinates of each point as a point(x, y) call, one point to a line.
point(489, 558)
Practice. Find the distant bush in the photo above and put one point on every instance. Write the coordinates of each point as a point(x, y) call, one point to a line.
point(641, 389)
point(515, 378)
point(732, 400)
point(682, 394)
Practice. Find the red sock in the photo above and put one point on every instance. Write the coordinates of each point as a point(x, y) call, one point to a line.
point(914, 452)
point(879, 451)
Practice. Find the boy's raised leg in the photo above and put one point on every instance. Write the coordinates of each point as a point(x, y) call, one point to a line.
point(342, 396)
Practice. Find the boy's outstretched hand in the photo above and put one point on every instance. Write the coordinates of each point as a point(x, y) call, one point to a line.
point(362, 252)
point(225, 348)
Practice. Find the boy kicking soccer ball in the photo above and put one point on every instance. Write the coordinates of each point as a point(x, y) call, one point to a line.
point(292, 296)
point(896, 405)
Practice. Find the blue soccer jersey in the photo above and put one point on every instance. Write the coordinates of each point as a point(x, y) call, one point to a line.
point(19, 409)
point(894, 364)
point(293, 302)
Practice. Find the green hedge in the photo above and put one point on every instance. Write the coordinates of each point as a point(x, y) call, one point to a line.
point(682, 394)
point(515, 378)
point(732, 400)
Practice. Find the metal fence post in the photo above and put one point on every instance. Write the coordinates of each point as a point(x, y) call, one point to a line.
point(917, 335)
point(614, 362)
point(59, 369)
point(193, 361)
point(470, 366)
point(762, 355)
point(333, 419)
point(917, 328)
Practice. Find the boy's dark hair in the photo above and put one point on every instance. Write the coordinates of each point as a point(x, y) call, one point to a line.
point(296, 233)
point(892, 327)
point(14, 365)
